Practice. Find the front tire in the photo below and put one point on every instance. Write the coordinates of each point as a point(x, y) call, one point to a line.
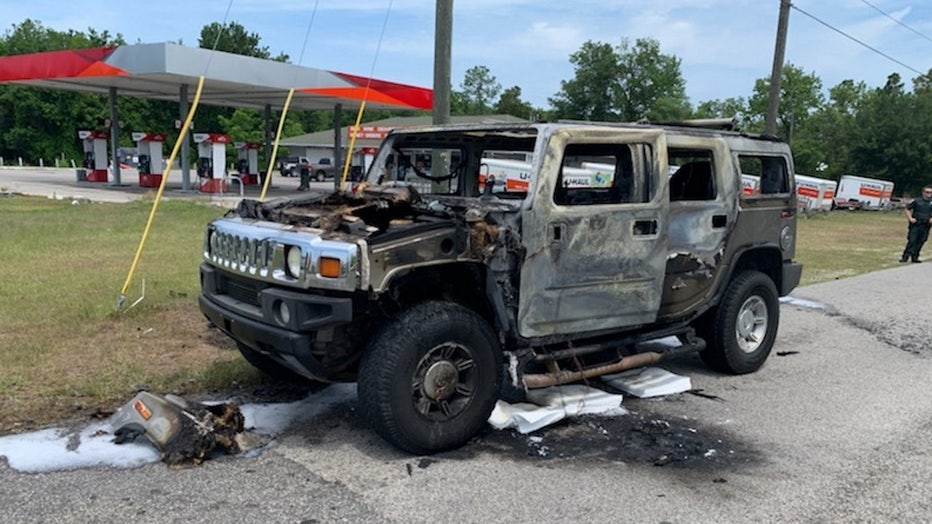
point(740, 332)
point(430, 378)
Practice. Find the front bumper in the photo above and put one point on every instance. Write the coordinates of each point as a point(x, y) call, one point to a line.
point(254, 317)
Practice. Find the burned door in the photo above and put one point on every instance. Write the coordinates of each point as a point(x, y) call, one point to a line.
point(703, 193)
point(595, 233)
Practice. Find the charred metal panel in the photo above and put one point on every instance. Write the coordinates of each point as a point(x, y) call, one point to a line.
point(597, 267)
point(699, 229)
point(391, 259)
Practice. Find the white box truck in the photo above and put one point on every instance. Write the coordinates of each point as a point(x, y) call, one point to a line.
point(858, 192)
point(814, 194)
point(750, 185)
point(509, 175)
point(515, 175)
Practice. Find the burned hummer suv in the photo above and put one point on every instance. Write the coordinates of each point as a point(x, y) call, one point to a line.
point(527, 255)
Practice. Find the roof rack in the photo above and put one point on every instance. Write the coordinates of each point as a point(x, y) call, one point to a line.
point(723, 124)
point(717, 124)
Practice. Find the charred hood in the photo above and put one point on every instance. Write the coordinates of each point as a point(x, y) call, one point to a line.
point(369, 212)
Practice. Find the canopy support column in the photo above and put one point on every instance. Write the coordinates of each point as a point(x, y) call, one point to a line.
point(337, 146)
point(114, 138)
point(269, 137)
point(185, 149)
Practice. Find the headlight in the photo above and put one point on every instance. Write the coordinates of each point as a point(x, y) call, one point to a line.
point(293, 261)
point(786, 238)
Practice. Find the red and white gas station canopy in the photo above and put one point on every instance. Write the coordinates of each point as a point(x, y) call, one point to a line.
point(156, 71)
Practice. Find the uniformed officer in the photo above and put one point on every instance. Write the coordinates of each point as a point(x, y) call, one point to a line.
point(919, 214)
point(305, 171)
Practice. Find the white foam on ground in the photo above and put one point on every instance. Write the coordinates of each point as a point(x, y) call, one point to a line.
point(273, 419)
point(648, 382)
point(92, 446)
point(47, 450)
point(802, 302)
point(553, 404)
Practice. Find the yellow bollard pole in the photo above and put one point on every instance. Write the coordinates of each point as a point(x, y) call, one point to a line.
point(158, 197)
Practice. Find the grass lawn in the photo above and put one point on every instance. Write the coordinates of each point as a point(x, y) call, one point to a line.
point(65, 351)
point(847, 243)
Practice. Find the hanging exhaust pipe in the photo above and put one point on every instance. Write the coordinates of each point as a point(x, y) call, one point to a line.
point(544, 380)
point(559, 376)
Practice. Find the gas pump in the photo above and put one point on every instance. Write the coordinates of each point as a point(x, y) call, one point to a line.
point(211, 161)
point(95, 154)
point(368, 156)
point(149, 146)
point(247, 162)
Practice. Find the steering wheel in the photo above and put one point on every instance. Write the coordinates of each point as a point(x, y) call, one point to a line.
point(454, 172)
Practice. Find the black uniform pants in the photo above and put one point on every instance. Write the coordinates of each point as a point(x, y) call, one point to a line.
point(916, 236)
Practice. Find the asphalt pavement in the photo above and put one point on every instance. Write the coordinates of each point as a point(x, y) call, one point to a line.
point(834, 428)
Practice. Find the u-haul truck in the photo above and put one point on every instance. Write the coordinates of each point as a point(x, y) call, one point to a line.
point(814, 194)
point(510, 175)
point(750, 185)
point(515, 175)
point(857, 192)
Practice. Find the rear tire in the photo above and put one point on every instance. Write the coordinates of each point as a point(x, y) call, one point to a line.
point(321, 176)
point(429, 379)
point(740, 332)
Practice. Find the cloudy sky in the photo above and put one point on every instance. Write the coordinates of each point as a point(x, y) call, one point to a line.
point(724, 45)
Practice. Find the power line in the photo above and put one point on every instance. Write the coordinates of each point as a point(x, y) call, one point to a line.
point(923, 35)
point(846, 35)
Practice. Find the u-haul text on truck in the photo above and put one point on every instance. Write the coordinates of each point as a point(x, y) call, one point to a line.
point(750, 185)
point(515, 175)
point(857, 192)
point(509, 175)
point(814, 194)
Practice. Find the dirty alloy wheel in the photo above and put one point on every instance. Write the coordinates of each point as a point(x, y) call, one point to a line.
point(740, 332)
point(271, 368)
point(321, 176)
point(430, 378)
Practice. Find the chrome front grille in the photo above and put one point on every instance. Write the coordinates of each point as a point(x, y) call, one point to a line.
point(256, 250)
point(241, 254)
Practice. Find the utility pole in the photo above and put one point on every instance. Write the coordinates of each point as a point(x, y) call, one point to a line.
point(770, 125)
point(443, 31)
point(443, 36)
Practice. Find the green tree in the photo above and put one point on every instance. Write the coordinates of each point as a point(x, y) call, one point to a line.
point(734, 107)
point(829, 132)
point(234, 38)
point(42, 123)
point(800, 96)
point(627, 83)
point(591, 93)
point(650, 83)
point(477, 91)
point(510, 103)
point(890, 135)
